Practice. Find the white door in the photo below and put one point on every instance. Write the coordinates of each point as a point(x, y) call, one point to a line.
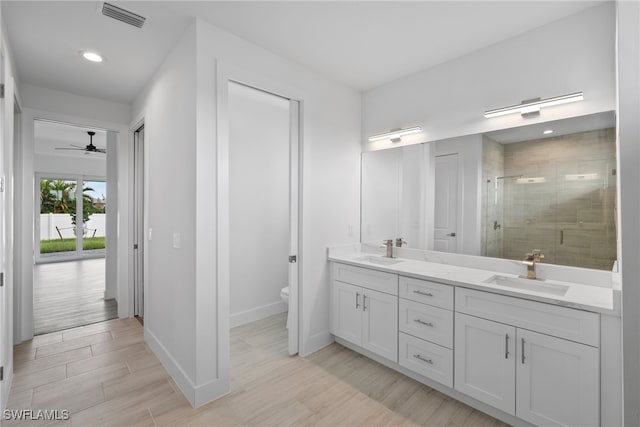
point(485, 361)
point(557, 381)
point(346, 312)
point(293, 280)
point(445, 233)
point(138, 223)
point(380, 324)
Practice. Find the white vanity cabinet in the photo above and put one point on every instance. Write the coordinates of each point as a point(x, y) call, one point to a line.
point(426, 328)
point(364, 316)
point(539, 378)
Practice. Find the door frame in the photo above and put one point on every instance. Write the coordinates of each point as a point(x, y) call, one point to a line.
point(226, 72)
point(24, 196)
point(140, 218)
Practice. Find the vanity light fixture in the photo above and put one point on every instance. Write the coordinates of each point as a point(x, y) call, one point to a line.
point(548, 131)
point(531, 107)
point(396, 134)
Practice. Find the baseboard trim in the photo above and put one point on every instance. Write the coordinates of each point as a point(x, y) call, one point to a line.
point(258, 313)
point(197, 395)
point(316, 342)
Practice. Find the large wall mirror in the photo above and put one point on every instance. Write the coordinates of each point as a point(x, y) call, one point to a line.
point(548, 186)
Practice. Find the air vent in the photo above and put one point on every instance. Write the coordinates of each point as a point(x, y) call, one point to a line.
point(122, 15)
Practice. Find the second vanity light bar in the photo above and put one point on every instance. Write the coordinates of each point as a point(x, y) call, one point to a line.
point(534, 106)
point(395, 134)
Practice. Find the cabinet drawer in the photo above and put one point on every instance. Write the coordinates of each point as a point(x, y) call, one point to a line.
point(426, 292)
point(427, 322)
point(427, 359)
point(371, 279)
point(575, 325)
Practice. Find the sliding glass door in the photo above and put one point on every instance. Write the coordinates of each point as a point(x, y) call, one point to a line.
point(70, 217)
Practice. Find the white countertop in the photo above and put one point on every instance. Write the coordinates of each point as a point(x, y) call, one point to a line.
point(601, 299)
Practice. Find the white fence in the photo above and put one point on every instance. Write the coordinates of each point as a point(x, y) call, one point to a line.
point(49, 222)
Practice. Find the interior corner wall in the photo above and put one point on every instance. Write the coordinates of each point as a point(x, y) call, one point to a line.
point(628, 129)
point(572, 54)
point(168, 108)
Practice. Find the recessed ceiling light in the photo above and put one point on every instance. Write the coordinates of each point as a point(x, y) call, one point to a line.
point(548, 131)
point(91, 56)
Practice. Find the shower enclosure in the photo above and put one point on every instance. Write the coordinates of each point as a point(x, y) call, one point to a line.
point(553, 194)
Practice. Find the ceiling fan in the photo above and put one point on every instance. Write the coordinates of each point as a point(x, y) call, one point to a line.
point(88, 149)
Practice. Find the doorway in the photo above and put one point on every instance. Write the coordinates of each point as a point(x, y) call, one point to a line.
point(263, 212)
point(70, 164)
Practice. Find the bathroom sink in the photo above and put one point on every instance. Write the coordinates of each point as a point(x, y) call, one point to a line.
point(373, 259)
point(542, 286)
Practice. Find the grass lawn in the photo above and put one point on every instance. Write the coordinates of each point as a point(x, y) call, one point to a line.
point(66, 245)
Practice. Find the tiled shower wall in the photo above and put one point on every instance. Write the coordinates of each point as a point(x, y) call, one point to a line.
point(564, 204)
point(492, 195)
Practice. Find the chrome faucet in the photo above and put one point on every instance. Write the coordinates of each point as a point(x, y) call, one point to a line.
point(531, 260)
point(400, 241)
point(389, 245)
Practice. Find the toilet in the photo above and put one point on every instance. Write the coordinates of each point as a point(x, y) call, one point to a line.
point(284, 294)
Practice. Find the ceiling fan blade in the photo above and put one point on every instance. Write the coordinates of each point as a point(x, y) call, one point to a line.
point(77, 146)
point(101, 150)
point(76, 149)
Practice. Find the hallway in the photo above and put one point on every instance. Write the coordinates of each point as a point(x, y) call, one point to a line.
point(70, 294)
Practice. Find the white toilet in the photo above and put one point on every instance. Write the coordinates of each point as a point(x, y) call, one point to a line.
point(284, 294)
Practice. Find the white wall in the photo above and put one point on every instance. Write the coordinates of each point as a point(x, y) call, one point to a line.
point(90, 165)
point(168, 106)
point(330, 202)
point(258, 203)
point(49, 222)
point(569, 55)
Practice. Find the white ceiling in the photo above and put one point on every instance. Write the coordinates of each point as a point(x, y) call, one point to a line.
point(49, 136)
point(362, 44)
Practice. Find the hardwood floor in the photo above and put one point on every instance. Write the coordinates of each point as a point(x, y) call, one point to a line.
point(105, 375)
point(70, 294)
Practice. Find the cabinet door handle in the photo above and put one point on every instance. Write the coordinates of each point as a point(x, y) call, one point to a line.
point(422, 322)
point(522, 350)
point(419, 357)
point(419, 292)
point(364, 302)
point(357, 300)
point(506, 346)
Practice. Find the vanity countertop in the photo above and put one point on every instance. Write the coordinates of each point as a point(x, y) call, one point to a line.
point(601, 299)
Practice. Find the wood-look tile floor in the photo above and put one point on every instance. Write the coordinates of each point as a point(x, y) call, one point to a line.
point(105, 375)
point(70, 294)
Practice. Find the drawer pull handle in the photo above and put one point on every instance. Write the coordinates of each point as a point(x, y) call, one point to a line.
point(422, 322)
point(364, 302)
point(522, 350)
point(506, 346)
point(429, 361)
point(419, 292)
point(357, 300)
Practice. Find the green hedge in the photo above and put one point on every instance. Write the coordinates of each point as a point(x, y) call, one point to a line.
point(67, 245)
